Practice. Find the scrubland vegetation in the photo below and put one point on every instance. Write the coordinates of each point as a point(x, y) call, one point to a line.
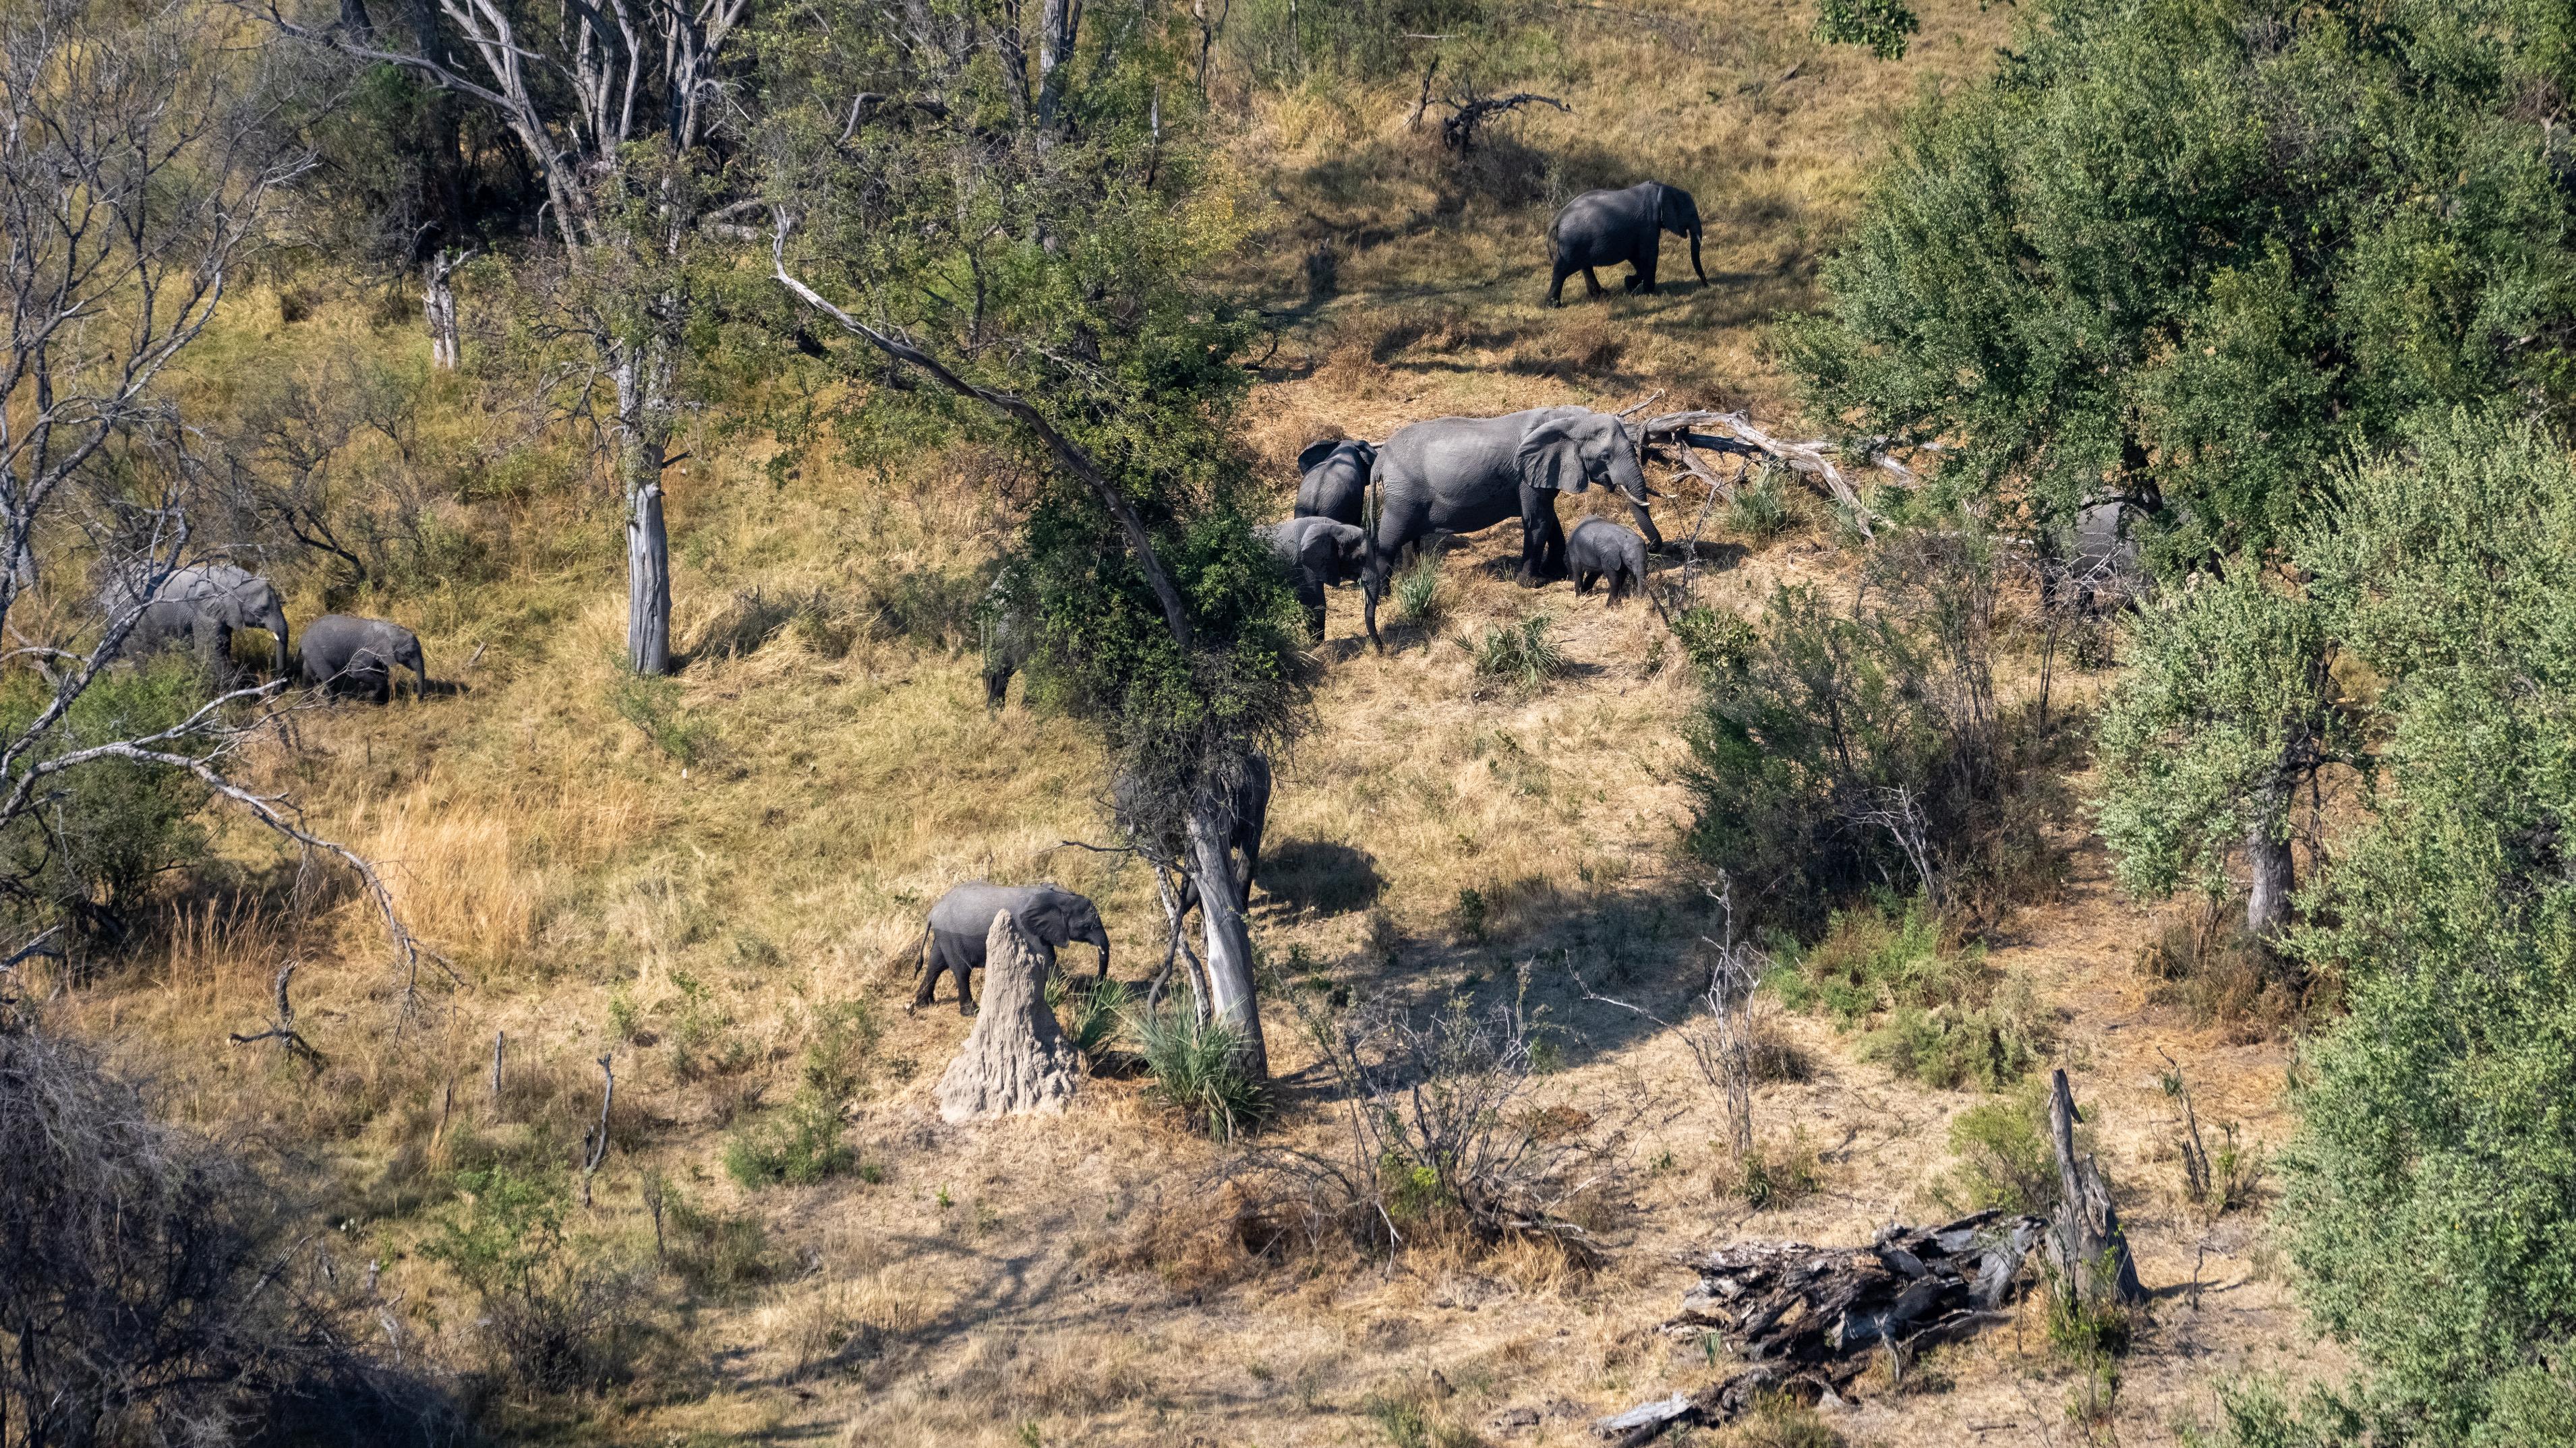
point(2182, 706)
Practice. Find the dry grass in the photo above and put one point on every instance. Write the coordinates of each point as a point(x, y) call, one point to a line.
point(1065, 1281)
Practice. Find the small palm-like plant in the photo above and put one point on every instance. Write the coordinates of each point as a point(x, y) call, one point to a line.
point(1198, 1067)
point(1525, 654)
point(1418, 595)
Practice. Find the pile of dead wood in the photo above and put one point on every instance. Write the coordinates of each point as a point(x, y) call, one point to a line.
point(1810, 1319)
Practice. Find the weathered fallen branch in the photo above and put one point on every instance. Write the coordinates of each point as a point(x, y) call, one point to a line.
point(599, 1144)
point(1458, 128)
point(1672, 436)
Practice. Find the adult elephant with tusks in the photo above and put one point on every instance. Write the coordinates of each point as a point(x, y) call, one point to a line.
point(953, 939)
point(1602, 228)
point(205, 604)
point(1462, 474)
point(1333, 478)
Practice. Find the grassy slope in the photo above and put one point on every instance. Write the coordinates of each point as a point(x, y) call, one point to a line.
point(1030, 1273)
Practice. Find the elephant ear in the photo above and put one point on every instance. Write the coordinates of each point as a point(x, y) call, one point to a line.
point(1316, 452)
point(1551, 454)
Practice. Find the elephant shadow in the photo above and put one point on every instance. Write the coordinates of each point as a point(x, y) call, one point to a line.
point(1320, 877)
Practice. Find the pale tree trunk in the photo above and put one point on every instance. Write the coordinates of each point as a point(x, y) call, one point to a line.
point(1229, 942)
point(1060, 21)
point(2267, 857)
point(438, 306)
point(643, 427)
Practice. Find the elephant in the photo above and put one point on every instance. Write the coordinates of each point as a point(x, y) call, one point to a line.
point(1599, 548)
point(1319, 552)
point(340, 652)
point(1599, 228)
point(204, 604)
point(1335, 480)
point(953, 940)
point(1462, 474)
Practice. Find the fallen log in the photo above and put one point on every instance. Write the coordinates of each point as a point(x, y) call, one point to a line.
point(1810, 1319)
point(1671, 436)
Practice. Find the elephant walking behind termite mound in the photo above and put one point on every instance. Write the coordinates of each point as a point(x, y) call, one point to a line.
point(1598, 549)
point(1048, 914)
point(345, 654)
point(203, 605)
point(1602, 228)
point(1319, 553)
point(1463, 474)
point(1333, 479)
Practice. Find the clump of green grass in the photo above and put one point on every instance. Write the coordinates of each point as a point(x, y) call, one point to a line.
point(1088, 1011)
point(1418, 594)
point(1198, 1068)
point(806, 1142)
point(1763, 511)
point(1525, 654)
point(652, 705)
point(1773, 1174)
point(1943, 1017)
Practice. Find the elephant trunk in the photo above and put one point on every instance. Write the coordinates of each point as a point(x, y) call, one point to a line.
point(1694, 243)
point(1099, 936)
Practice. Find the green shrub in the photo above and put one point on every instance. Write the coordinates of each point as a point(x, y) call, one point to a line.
point(802, 1146)
point(1524, 655)
point(559, 1313)
point(113, 826)
point(2004, 1157)
point(1884, 26)
point(1774, 1174)
point(1199, 1069)
point(1945, 1018)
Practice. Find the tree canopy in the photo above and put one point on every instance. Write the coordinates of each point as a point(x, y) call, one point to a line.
point(2182, 253)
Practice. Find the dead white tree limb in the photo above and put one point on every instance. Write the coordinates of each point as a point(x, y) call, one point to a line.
point(1674, 434)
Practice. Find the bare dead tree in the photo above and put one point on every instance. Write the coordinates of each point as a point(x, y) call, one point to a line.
point(438, 303)
point(599, 1138)
point(1674, 433)
point(1724, 1045)
point(282, 1029)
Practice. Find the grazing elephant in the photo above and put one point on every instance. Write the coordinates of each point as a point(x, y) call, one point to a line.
point(1599, 228)
point(1046, 913)
point(1335, 481)
point(1461, 474)
point(1320, 552)
point(360, 655)
point(1599, 548)
point(1247, 812)
point(203, 605)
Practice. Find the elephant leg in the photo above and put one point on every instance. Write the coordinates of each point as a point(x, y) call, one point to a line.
point(965, 992)
point(933, 961)
point(1583, 580)
point(997, 687)
point(1591, 283)
point(1556, 282)
point(1310, 594)
point(1551, 539)
point(1533, 546)
point(1372, 582)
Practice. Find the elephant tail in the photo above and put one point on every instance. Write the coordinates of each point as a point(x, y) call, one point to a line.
point(920, 953)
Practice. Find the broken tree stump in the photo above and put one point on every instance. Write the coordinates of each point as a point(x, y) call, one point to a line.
point(1015, 1060)
point(2088, 1240)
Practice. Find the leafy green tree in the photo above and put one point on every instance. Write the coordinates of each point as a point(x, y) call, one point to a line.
point(2431, 1194)
point(1027, 244)
point(2181, 253)
point(2227, 708)
point(1885, 26)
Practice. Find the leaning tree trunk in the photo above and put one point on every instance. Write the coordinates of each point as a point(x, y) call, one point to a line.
point(642, 388)
point(1015, 1060)
point(2267, 855)
point(2091, 1248)
point(1231, 995)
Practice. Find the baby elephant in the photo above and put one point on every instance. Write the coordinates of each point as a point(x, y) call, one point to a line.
point(1046, 913)
point(1599, 547)
point(1319, 552)
point(359, 655)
